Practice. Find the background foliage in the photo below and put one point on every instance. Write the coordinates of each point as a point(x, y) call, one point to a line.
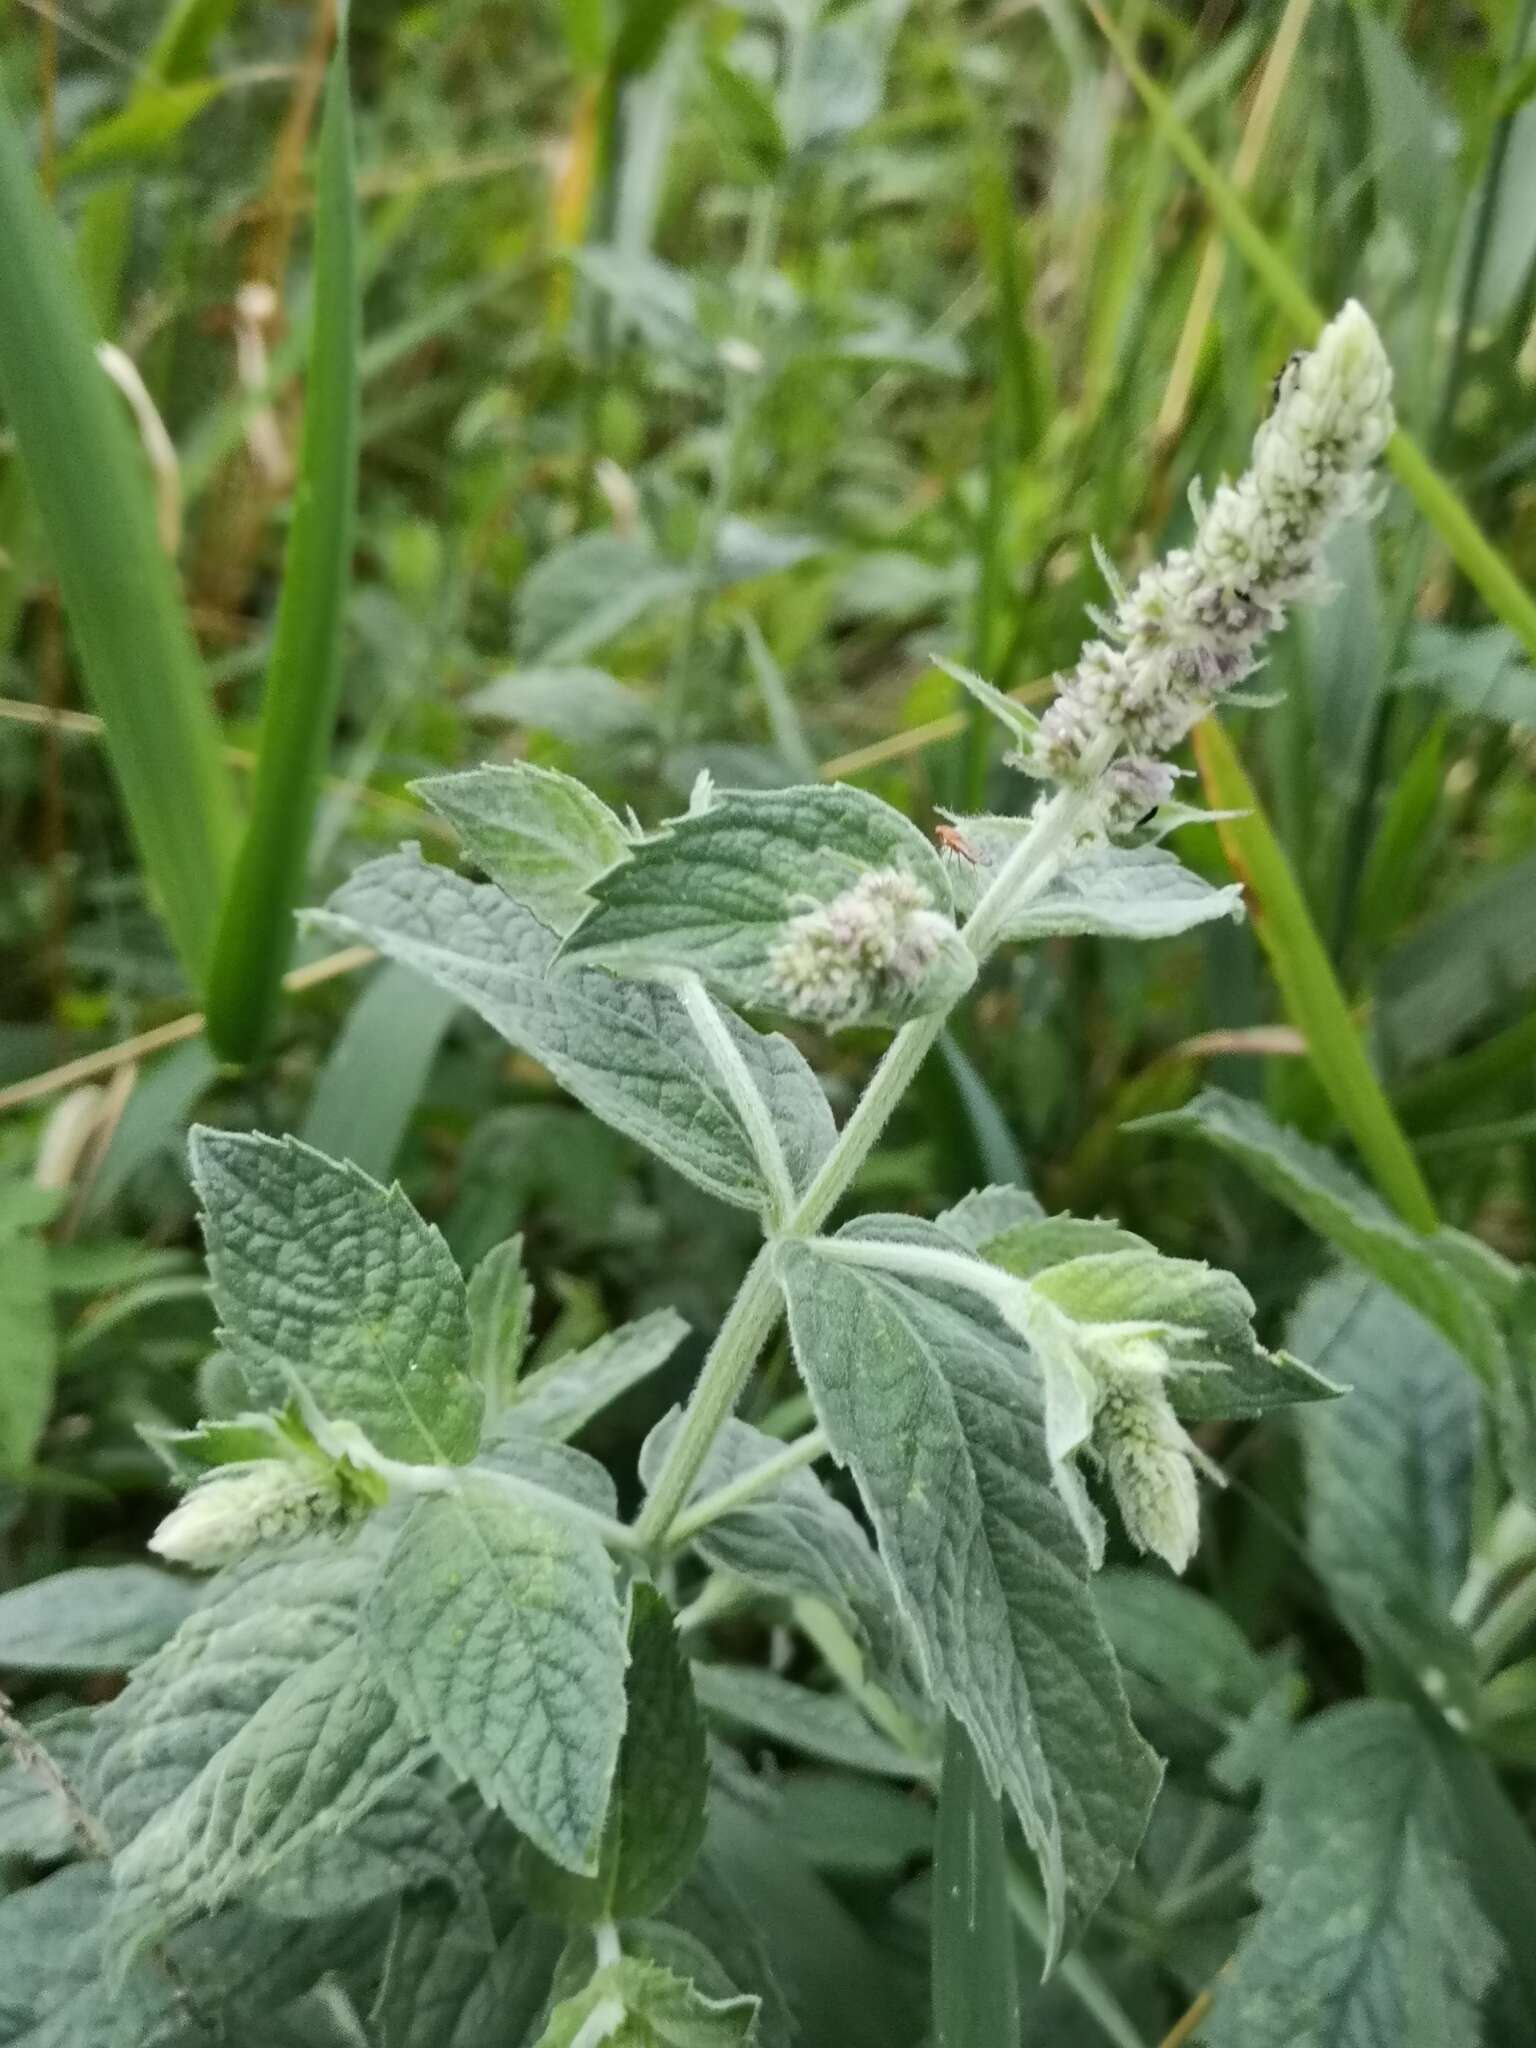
point(719, 368)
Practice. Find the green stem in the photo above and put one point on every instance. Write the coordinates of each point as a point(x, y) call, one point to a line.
point(1028, 869)
point(805, 1450)
point(1076, 1972)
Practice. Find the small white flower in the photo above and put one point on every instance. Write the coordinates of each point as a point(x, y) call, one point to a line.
point(1191, 627)
point(244, 1507)
point(869, 948)
point(1149, 1462)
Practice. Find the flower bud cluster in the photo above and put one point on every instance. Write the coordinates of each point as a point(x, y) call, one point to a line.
point(870, 947)
point(243, 1508)
point(1147, 1458)
point(1191, 627)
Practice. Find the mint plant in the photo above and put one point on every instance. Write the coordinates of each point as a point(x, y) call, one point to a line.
point(429, 1761)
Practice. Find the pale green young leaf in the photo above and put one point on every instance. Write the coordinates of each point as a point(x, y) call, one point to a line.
point(987, 1213)
point(938, 1409)
point(94, 1618)
point(190, 1454)
point(1389, 1471)
point(562, 1397)
point(499, 1630)
point(824, 1725)
point(794, 1539)
point(320, 1751)
point(711, 893)
point(649, 2008)
point(1113, 892)
point(656, 1813)
point(500, 1304)
point(1350, 1215)
point(545, 1462)
point(1368, 1930)
point(327, 1281)
point(627, 1050)
point(540, 835)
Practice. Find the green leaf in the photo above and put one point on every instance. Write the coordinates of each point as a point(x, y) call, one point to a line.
point(443, 1986)
point(1181, 1642)
point(627, 1051)
point(793, 1539)
point(587, 591)
point(34, 1825)
point(562, 1397)
point(320, 1751)
point(649, 2008)
point(583, 706)
point(540, 835)
point(498, 1629)
point(1369, 1931)
point(975, 1962)
point(500, 1303)
point(125, 613)
point(827, 1726)
point(94, 1618)
point(656, 1813)
point(1477, 669)
point(935, 1405)
point(1118, 892)
point(324, 1279)
point(151, 117)
point(1462, 967)
point(744, 115)
point(26, 1317)
point(1328, 1197)
point(988, 1213)
point(712, 893)
point(255, 934)
point(1389, 1470)
point(52, 1991)
point(258, 1625)
point(556, 1467)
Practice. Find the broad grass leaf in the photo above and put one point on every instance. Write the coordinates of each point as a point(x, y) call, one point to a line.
point(323, 1277)
point(827, 1726)
point(975, 1971)
point(498, 1629)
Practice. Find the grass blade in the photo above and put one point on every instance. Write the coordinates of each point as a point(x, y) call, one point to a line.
point(1470, 548)
point(93, 502)
point(368, 1089)
point(255, 933)
point(1313, 1000)
point(975, 1965)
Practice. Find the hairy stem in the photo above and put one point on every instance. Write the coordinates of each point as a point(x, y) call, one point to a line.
point(1029, 869)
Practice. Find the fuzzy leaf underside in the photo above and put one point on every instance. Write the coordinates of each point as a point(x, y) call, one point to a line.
point(1114, 892)
point(323, 1277)
point(794, 1540)
point(497, 1628)
point(627, 1050)
point(939, 1413)
point(1369, 1932)
point(541, 836)
point(712, 893)
point(561, 1398)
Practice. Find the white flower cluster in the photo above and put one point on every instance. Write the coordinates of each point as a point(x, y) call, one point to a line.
point(1191, 627)
point(1147, 1457)
point(870, 947)
point(245, 1508)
